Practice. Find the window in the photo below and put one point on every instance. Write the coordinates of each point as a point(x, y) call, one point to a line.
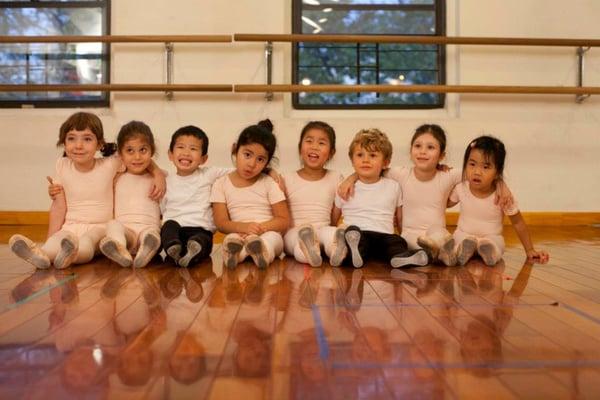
point(368, 63)
point(54, 63)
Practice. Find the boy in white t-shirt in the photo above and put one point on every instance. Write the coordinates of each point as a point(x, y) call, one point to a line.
point(370, 213)
point(188, 225)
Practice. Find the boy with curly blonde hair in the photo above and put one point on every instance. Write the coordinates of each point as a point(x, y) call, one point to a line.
point(370, 213)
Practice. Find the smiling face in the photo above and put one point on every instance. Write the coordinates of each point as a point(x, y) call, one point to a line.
point(251, 160)
point(425, 152)
point(368, 164)
point(480, 172)
point(81, 147)
point(187, 155)
point(136, 155)
point(315, 149)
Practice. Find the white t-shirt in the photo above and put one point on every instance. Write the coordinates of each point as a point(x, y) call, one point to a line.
point(479, 217)
point(373, 206)
point(311, 201)
point(187, 200)
point(248, 204)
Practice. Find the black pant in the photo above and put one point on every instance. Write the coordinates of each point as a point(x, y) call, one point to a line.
point(379, 246)
point(172, 233)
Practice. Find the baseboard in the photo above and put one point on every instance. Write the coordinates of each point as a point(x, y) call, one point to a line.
point(541, 218)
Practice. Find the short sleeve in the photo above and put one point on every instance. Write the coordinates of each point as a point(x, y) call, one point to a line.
point(274, 192)
point(512, 209)
point(217, 193)
point(454, 195)
point(399, 201)
point(338, 201)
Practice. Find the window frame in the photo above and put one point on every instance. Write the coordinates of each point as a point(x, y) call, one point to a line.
point(106, 54)
point(440, 24)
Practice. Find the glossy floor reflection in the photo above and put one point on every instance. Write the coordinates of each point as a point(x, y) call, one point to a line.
point(291, 331)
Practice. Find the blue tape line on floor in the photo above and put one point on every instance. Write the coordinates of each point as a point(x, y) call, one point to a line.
point(41, 292)
point(581, 313)
point(320, 334)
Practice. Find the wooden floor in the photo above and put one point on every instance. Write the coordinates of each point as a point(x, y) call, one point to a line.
point(290, 331)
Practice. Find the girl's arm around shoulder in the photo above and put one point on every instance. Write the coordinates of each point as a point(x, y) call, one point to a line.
point(520, 227)
point(57, 214)
point(504, 198)
point(158, 189)
point(346, 188)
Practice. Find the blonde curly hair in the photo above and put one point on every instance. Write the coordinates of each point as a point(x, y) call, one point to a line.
point(372, 140)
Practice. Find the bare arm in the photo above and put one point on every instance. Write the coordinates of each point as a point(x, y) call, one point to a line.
point(224, 222)
point(159, 188)
point(520, 227)
point(336, 214)
point(58, 211)
point(281, 218)
point(346, 188)
point(399, 219)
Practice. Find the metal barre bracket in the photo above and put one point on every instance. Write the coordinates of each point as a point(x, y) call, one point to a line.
point(169, 53)
point(580, 70)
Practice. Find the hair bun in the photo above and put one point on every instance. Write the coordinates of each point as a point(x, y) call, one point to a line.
point(266, 124)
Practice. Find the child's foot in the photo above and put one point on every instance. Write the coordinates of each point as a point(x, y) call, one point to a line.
point(447, 254)
point(174, 252)
point(67, 253)
point(232, 248)
point(340, 250)
point(353, 238)
point(488, 252)
point(430, 247)
point(193, 249)
point(28, 251)
point(465, 250)
point(412, 258)
point(257, 250)
point(148, 248)
point(115, 251)
point(309, 244)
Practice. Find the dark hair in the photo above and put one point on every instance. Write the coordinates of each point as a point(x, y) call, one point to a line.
point(492, 149)
point(190, 130)
point(323, 126)
point(135, 129)
point(81, 121)
point(261, 133)
point(435, 130)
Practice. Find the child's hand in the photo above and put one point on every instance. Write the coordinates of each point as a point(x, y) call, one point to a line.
point(346, 188)
point(541, 256)
point(54, 189)
point(443, 167)
point(158, 189)
point(278, 178)
point(504, 198)
point(254, 228)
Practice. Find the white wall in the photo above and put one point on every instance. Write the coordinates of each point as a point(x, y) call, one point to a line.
point(553, 144)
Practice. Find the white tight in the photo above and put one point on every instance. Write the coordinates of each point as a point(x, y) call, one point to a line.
point(325, 234)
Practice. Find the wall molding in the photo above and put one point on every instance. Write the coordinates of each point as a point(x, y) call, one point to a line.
point(538, 218)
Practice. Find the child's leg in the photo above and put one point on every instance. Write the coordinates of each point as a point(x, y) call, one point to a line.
point(334, 243)
point(169, 236)
point(233, 250)
point(309, 244)
point(264, 248)
point(88, 244)
point(68, 248)
point(198, 246)
point(149, 244)
point(114, 244)
point(29, 251)
point(490, 249)
point(291, 245)
point(396, 251)
point(439, 244)
point(357, 243)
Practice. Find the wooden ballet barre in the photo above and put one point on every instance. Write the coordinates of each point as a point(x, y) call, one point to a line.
point(245, 37)
point(417, 89)
point(118, 87)
point(119, 39)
